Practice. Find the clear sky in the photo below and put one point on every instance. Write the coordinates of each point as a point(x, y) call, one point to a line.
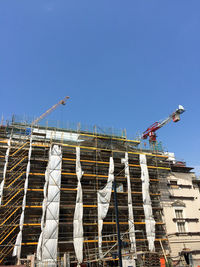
point(124, 64)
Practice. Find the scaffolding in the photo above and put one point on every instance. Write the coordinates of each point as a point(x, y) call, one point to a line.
point(24, 217)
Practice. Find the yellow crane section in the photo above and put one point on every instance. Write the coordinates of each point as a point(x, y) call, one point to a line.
point(61, 102)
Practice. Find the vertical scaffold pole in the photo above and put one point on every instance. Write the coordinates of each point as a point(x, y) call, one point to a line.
point(117, 223)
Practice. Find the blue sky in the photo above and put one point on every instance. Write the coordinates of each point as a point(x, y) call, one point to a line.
point(124, 64)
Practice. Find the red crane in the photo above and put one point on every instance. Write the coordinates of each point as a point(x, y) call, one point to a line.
point(150, 132)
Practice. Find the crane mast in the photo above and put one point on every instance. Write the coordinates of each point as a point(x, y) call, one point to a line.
point(150, 131)
point(61, 102)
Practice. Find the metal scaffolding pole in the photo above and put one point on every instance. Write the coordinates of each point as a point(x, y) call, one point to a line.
point(117, 223)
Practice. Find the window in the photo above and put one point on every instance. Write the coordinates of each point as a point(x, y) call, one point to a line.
point(179, 214)
point(173, 182)
point(180, 221)
point(181, 227)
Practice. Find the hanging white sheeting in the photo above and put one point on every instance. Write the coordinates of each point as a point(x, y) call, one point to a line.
point(18, 242)
point(47, 134)
point(5, 169)
point(149, 220)
point(44, 207)
point(78, 214)
point(49, 238)
point(103, 199)
point(130, 205)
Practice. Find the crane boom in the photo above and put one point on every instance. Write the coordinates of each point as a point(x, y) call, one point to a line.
point(63, 101)
point(150, 132)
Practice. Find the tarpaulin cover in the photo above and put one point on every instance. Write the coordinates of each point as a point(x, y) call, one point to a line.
point(44, 207)
point(78, 213)
point(48, 240)
point(149, 220)
point(130, 205)
point(17, 247)
point(4, 170)
point(103, 199)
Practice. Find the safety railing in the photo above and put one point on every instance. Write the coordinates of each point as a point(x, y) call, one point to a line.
point(68, 126)
point(16, 169)
point(9, 224)
point(19, 149)
point(16, 163)
point(12, 197)
point(15, 177)
point(7, 250)
point(10, 212)
point(7, 230)
point(13, 193)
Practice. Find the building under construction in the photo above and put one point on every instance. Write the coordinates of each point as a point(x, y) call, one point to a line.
point(74, 196)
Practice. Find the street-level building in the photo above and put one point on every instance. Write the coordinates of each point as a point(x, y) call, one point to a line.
point(181, 210)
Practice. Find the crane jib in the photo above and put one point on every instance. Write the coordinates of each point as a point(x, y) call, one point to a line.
point(150, 132)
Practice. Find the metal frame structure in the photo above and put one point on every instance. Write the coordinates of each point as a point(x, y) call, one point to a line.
point(95, 151)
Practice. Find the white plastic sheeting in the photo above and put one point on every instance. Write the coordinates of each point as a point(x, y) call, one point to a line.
point(103, 199)
point(48, 241)
point(4, 170)
point(130, 205)
point(78, 214)
point(44, 207)
point(58, 135)
point(149, 220)
point(18, 242)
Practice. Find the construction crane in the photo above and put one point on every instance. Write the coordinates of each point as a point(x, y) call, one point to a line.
point(150, 132)
point(62, 102)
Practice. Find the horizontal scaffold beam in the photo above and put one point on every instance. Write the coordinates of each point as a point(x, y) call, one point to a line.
point(96, 241)
point(40, 144)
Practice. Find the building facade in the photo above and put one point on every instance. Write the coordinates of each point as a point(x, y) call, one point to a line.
point(57, 197)
point(58, 202)
point(181, 210)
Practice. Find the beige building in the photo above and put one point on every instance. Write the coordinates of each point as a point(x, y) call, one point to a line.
point(181, 210)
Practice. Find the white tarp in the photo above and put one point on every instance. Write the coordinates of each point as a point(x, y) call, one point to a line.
point(58, 135)
point(4, 170)
point(130, 205)
point(149, 220)
point(78, 213)
point(51, 207)
point(103, 199)
point(18, 242)
point(44, 207)
point(128, 262)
